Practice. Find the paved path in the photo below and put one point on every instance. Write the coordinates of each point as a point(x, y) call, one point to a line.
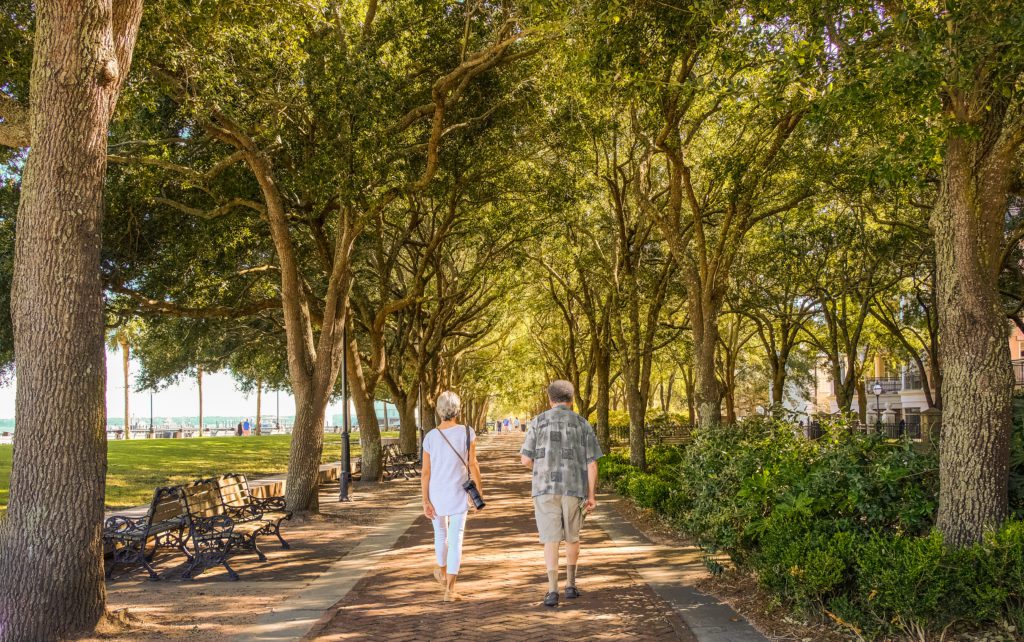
point(503, 577)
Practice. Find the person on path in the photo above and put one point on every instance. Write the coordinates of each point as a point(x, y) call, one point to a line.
point(562, 451)
point(449, 458)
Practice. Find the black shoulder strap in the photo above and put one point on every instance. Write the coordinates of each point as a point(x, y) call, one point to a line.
point(467, 441)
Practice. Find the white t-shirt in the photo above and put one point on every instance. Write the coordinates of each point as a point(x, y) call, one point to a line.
point(447, 472)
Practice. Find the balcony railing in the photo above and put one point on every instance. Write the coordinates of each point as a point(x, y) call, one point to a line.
point(1018, 371)
point(889, 385)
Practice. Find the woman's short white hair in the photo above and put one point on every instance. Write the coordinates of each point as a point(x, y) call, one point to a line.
point(448, 405)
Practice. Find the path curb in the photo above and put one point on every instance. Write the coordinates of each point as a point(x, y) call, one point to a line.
point(708, 619)
point(308, 607)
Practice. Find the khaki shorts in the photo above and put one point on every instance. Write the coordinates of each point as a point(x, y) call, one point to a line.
point(558, 518)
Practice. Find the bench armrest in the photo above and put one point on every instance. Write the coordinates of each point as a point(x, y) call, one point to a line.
point(243, 513)
point(267, 504)
point(119, 524)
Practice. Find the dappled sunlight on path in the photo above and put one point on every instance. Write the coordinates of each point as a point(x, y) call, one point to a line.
point(502, 578)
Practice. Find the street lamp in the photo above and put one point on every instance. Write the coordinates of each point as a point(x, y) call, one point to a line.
point(877, 389)
point(346, 462)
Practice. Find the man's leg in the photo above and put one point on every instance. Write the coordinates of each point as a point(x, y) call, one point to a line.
point(547, 509)
point(572, 554)
point(573, 524)
point(551, 562)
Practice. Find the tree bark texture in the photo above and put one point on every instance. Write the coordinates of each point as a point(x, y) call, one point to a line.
point(366, 412)
point(51, 553)
point(977, 379)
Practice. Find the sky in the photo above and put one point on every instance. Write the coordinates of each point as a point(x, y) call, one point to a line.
point(220, 397)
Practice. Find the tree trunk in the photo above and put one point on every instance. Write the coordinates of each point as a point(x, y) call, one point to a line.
point(637, 407)
point(301, 488)
point(51, 552)
point(707, 392)
point(366, 412)
point(778, 384)
point(407, 429)
point(125, 362)
point(199, 379)
point(604, 366)
point(977, 379)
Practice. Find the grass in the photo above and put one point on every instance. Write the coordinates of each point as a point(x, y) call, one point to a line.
point(135, 468)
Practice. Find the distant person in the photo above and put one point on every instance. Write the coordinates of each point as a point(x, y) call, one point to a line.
point(449, 460)
point(246, 427)
point(507, 423)
point(238, 429)
point(562, 452)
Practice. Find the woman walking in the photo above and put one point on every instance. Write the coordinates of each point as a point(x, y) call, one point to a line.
point(449, 458)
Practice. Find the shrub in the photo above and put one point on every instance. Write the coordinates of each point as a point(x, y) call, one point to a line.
point(843, 523)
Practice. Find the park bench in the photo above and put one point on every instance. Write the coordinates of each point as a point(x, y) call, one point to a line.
point(225, 517)
point(398, 464)
point(163, 526)
point(243, 507)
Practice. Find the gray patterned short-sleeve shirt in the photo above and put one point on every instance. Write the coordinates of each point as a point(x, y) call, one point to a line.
point(561, 444)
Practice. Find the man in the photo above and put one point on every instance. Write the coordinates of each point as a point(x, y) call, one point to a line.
point(562, 451)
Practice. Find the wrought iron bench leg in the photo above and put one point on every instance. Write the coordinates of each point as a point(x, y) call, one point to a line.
point(277, 533)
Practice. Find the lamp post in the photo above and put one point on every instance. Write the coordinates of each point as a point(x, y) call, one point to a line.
point(877, 389)
point(151, 433)
point(346, 461)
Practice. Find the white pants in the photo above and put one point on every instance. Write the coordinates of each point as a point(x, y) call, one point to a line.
point(448, 532)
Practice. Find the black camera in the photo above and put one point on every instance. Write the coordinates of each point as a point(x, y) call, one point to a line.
point(474, 494)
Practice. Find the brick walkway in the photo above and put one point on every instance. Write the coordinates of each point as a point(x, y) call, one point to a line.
point(503, 578)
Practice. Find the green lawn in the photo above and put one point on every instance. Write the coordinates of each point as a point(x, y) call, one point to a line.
point(135, 468)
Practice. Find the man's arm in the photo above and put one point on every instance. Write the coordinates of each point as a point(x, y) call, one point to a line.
point(591, 486)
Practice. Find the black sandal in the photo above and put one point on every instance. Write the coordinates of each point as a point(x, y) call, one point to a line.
point(551, 599)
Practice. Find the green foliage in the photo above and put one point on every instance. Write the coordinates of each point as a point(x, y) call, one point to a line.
point(843, 523)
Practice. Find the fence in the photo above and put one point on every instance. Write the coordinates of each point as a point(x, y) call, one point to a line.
point(655, 433)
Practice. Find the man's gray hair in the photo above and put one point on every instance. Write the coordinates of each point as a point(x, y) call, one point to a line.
point(560, 391)
point(448, 405)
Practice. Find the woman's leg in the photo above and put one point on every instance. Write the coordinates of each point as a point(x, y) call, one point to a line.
point(456, 531)
point(440, 544)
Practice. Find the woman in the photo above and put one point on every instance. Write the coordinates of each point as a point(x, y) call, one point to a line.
point(449, 457)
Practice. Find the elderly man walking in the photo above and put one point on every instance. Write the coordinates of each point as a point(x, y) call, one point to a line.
point(562, 451)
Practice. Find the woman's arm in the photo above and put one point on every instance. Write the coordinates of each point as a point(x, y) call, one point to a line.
point(474, 468)
point(428, 508)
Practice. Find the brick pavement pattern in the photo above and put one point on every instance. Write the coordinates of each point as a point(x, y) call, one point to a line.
point(503, 579)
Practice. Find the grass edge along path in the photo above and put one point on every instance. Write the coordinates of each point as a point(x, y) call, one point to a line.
point(136, 467)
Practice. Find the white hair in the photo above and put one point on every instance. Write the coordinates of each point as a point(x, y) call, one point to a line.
point(448, 405)
point(560, 391)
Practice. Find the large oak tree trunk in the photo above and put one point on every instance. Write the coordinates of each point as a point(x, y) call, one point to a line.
point(51, 553)
point(977, 379)
point(301, 489)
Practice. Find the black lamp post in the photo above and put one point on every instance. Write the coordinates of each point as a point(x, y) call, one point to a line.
point(346, 456)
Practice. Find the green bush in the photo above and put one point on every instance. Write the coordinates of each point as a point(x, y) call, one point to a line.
point(843, 523)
